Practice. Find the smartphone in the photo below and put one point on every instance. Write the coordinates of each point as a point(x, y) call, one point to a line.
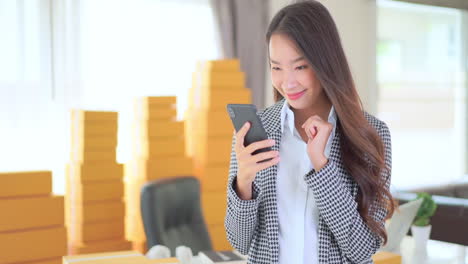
point(242, 113)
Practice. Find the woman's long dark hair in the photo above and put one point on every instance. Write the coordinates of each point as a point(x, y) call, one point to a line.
point(310, 26)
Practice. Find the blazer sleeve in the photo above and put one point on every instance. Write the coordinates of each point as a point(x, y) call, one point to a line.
point(241, 215)
point(339, 209)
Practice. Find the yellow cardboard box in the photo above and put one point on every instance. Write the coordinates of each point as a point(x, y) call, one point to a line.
point(214, 207)
point(94, 143)
point(132, 195)
point(160, 167)
point(93, 116)
point(94, 191)
point(212, 150)
point(25, 183)
point(56, 260)
point(133, 184)
point(218, 236)
point(120, 257)
point(39, 244)
point(229, 65)
point(189, 135)
point(223, 79)
point(96, 211)
point(211, 123)
point(195, 87)
point(90, 156)
point(140, 246)
point(158, 129)
point(159, 100)
point(106, 230)
point(95, 171)
point(31, 212)
point(145, 112)
point(101, 246)
point(80, 131)
point(217, 99)
point(134, 225)
point(135, 230)
point(386, 258)
point(160, 147)
point(213, 177)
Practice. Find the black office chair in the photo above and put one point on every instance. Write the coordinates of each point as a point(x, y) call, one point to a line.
point(172, 214)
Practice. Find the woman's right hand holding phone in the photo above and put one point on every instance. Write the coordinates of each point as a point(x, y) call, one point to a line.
point(248, 165)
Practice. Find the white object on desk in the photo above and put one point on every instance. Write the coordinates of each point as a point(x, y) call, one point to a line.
point(158, 252)
point(421, 236)
point(184, 254)
point(438, 252)
point(399, 225)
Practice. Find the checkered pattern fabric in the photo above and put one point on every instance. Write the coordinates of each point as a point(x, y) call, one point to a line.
point(252, 225)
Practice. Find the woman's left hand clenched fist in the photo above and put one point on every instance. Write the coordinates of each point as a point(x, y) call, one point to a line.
point(318, 132)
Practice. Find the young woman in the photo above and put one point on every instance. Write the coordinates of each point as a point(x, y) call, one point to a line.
point(325, 195)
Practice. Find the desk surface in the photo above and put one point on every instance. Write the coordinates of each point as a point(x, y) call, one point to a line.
point(437, 253)
point(196, 260)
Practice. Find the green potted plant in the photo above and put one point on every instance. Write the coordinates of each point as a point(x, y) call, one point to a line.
point(421, 228)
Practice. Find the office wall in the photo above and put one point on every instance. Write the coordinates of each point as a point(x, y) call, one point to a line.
point(356, 21)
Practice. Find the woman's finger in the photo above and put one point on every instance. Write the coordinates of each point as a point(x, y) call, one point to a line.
point(313, 125)
point(259, 145)
point(267, 164)
point(313, 130)
point(264, 156)
point(241, 135)
point(305, 127)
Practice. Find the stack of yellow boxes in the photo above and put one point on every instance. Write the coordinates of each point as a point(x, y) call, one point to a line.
point(158, 152)
point(209, 135)
point(95, 210)
point(32, 225)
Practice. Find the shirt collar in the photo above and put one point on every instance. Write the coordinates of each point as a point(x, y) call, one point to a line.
point(287, 115)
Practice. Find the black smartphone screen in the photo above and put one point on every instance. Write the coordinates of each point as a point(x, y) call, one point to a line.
point(242, 113)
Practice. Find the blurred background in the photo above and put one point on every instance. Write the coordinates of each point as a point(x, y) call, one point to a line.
point(409, 59)
point(409, 62)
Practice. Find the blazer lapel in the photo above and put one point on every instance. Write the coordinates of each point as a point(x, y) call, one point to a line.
point(272, 123)
point(324, 233)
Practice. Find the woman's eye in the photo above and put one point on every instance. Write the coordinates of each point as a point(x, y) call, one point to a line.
point(302, 67)
point(275, 68)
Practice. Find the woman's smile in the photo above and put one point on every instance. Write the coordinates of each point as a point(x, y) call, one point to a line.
point(295, 96)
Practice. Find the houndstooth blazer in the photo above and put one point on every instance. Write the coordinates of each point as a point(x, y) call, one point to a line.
point(252, 225)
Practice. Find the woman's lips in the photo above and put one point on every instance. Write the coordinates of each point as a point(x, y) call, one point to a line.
point(296, 95)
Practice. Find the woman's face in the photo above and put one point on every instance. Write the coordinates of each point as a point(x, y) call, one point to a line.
point(291, 74)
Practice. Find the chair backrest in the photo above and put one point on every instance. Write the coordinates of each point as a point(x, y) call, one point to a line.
point(172, 214)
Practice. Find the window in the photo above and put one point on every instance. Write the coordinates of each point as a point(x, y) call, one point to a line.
point(27, 104)
point(142, 48)
point(94, 55)
point(421, 78)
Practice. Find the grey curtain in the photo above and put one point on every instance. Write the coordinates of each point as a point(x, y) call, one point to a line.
point(242, 25)
point(460, 4)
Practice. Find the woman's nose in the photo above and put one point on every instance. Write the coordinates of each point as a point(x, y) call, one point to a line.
point(289, 81)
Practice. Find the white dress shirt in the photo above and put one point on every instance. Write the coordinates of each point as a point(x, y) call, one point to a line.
point(297, 211)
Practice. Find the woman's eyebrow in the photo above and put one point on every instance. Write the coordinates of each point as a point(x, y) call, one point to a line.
point(293, 61)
